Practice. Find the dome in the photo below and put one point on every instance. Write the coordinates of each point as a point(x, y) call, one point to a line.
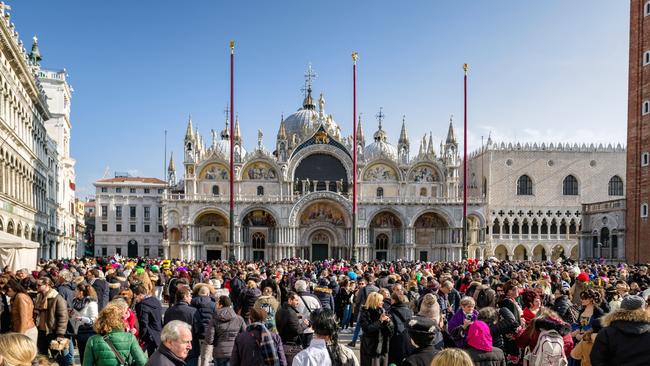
point(305, 121)
point(223, 147)
point(380, 147)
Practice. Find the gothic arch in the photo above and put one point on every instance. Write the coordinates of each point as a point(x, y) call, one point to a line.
point(209, 210)
point(440, 171)
point(265, 160)
point(393, 211)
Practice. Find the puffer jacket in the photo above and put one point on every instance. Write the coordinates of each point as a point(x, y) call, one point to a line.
point(99, 353)
point(624, 340)
point(325, 297)
point(205, 307)
point(222, 330)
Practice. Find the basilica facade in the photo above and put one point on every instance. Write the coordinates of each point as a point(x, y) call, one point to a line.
point(297, 199)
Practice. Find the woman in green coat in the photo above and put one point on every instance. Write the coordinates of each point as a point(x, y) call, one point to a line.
point(110, 326)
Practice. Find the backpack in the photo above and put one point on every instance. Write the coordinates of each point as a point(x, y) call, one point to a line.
point(549, 350)
point(270, 319)
point(572, 314)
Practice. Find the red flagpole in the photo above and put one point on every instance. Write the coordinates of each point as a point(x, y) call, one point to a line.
point(232, 151)
point(465, 249)
point(354, 155)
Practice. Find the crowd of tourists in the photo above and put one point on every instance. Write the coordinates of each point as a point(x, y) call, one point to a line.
point(120, 311)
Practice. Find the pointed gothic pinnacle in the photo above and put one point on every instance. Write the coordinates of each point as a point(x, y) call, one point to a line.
point(430, 147)
point(189, 132)
point(282, 132)
point(237, 132)
point(360, 130)
point(403, 138)
point(451, 138)
point(171, 167)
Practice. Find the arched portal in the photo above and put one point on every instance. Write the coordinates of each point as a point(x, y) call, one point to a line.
point(213, 231)
point(381, 247)
point(501, 252)
point(432, 233)
point(258, 229)
point(387, 225)
point(539, 253)
point(520, 253)
point(319, 242)
point(328, 216)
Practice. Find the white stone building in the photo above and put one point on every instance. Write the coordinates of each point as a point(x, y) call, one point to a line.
point(603, 231)
point(297, 201)
point(128, 216)
point(63, 241)
point(534, 194)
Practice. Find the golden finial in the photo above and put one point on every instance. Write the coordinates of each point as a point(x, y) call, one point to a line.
point(465, 67)
point(355, 56)
point(232, 46)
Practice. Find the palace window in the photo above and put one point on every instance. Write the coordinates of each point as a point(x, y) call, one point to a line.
point(381, 242)
point(615, 186)
point(259, 240)
point(260, 190)
point(104, 189)
point(570, 186)
point(380, 192)
point(215, 190)
point(524, 186)
point(147, 190)
point(645, 159)
point(423, 192)
point(131, 190)
point(645, 109)
point(104, 227)
point(132, 212)
point(644, 210)
point(118, 228)
point(118, 190)
point(104, 211)
point(118, 212)
point(147, 228)
point(132, 228)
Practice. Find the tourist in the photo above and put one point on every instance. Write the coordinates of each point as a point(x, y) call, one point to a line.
point(175, 344)
point(423, 332)
point(222, 331)
point(461, 321)
point(17, 350)
point(291, 324)
point(623, 340)
point(270, 304)
point(22, 310)
point(480, 348)
point(149, 314)
point(52, 322)
point(181, 310)
point(452, 357)
point(247, 298)
point(112, 345)
point(256, 345)
point(306, 305)
point(400, 343)
point(324, 349)
point(205, 306)
point(100, 286)
point(83, 315)
point(377, 329)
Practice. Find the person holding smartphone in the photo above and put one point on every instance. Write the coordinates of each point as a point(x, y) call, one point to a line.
point(461, 321)
point(377, 328)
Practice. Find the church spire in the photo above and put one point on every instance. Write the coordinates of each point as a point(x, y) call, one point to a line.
point(237, 132)
point(189, 132)
point(451, 138)
point(308, 102)
point(430, 147)
point(35, 55)
point(360, 136)
point(171, 167)
point(282, 132)
point(403, 138)
point(225, 133)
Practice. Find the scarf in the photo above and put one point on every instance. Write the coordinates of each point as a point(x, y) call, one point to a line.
point(265, 343)
point(79, 304)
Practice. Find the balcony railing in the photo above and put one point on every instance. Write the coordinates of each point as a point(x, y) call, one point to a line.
point(362, 200)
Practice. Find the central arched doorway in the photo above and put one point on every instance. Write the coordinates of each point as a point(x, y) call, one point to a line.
point(258, 230)
point(323, 216)
point(320, 241)
point(433, 237)
point(212, 232)
point(386, 235)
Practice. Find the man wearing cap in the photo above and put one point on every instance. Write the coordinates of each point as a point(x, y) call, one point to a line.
point(625, 337)
point(422, 331)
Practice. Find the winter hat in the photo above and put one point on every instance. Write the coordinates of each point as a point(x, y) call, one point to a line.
point(422, 330)
point(352, 275)
point(323, 282)
point(583, 277)
point(429, 307)
point(479, 337)
point(632, 302)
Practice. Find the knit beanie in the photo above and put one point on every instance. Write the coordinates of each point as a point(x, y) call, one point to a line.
point(633, 302)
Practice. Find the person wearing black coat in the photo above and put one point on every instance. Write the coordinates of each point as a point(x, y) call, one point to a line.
point(423, 332)
point(324, 294)
point(562, 305)
point(184, 312)
point(148, 309)
point(501, 323)
point(377, 328)
point(247, 299)
point(625, 337)
point(400, 342)
point(100, 286)
point(237, 285)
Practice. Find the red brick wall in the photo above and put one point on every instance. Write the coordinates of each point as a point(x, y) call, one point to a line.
point(637, 241)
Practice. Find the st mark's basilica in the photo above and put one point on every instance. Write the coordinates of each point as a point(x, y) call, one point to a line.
point(297, 199)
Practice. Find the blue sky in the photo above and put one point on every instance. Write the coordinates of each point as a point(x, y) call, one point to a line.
point(545, 71)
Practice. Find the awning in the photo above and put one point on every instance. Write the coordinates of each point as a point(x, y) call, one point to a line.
point(17, 252)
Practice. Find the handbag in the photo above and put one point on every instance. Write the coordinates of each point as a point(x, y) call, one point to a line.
point(120, 359)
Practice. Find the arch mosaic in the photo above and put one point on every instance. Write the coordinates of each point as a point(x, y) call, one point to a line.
point(260, 170)
point(450, 222)
point(425, 173)
point(381, 172)
point(386, 218)
point(213, 171)
point(312, 197)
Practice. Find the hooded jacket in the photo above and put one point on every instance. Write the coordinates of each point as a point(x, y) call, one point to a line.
point(222, 331)
point(247, 300)
point(325, 297)
point(624, 340)
point(205, 307)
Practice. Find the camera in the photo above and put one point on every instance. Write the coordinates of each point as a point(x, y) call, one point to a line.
point(468, 316)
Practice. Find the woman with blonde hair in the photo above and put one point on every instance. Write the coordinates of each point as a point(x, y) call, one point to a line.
point(377, 328)
point(452, 357)
point(112, 345)
point(17, 350)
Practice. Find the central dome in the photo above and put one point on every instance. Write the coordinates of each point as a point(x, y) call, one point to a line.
point(304, 122)
point(380, 147)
